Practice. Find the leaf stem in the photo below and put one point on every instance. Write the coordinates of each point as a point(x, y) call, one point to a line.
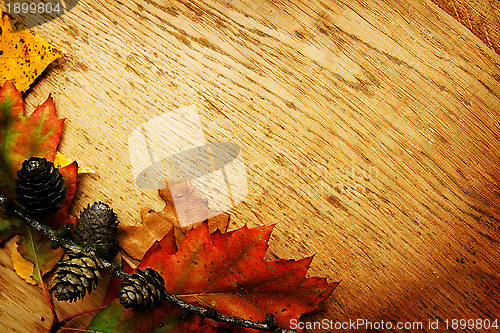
point(85, 330)
point(60, 325)
point(12, 209)
point(55, 319)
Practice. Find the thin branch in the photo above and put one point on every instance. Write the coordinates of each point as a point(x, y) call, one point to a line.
point(11, 208)
point(269, 325)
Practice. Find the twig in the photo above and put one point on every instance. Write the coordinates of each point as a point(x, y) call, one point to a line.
point(60, 325)
point(269, 325)
point(12, 209)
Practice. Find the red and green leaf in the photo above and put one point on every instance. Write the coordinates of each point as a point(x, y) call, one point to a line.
point(38, 135)
point(20, 138)
point(228, 272)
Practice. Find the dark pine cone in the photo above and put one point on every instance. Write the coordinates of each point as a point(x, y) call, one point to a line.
point(97, 228)
point(75, 276)
point(143, 290)
point(40, 187)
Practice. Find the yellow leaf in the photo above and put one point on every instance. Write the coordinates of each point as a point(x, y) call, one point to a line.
point(61, 161)
point(24, 268)
point(23, 55)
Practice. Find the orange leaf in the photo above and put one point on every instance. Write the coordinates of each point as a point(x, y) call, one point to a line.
point(228, 272)
point(136, 240)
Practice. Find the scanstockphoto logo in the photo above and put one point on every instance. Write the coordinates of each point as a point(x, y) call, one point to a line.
point(171, 149)
point(35, 12)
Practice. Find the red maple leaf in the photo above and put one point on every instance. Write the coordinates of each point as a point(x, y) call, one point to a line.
point(228, 272)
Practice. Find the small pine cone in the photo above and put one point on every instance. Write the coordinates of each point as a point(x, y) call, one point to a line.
point(75, 276)
point(40, 187)
point(143, 290)
point(97, 228)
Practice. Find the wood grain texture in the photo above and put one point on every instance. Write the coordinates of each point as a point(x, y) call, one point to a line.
point(480, 17)
point(370, 130)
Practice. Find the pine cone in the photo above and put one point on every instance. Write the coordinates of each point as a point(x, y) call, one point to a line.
point(143, 290)
point(97, 228)
point(40, 187)
point(75, 276)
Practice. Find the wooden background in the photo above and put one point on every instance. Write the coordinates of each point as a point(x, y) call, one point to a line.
point(482, 17)
point(370, 131)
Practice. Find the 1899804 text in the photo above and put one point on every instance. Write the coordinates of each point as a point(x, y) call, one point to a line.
point(33, 8)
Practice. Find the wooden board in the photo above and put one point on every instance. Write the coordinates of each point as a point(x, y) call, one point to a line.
point(370, 132)
point(480, 17)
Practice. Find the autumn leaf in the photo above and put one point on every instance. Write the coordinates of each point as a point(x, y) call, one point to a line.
point(166, 319)
point(23, 267)
point(20, 138)
point(39, 251)
point(23, 137)
point(37, 135)
point(23, 54)
point(61, 161)
point(69, 173)
point(191, 205)
point(227, 272)
point(136, 240)
point(11, 107)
